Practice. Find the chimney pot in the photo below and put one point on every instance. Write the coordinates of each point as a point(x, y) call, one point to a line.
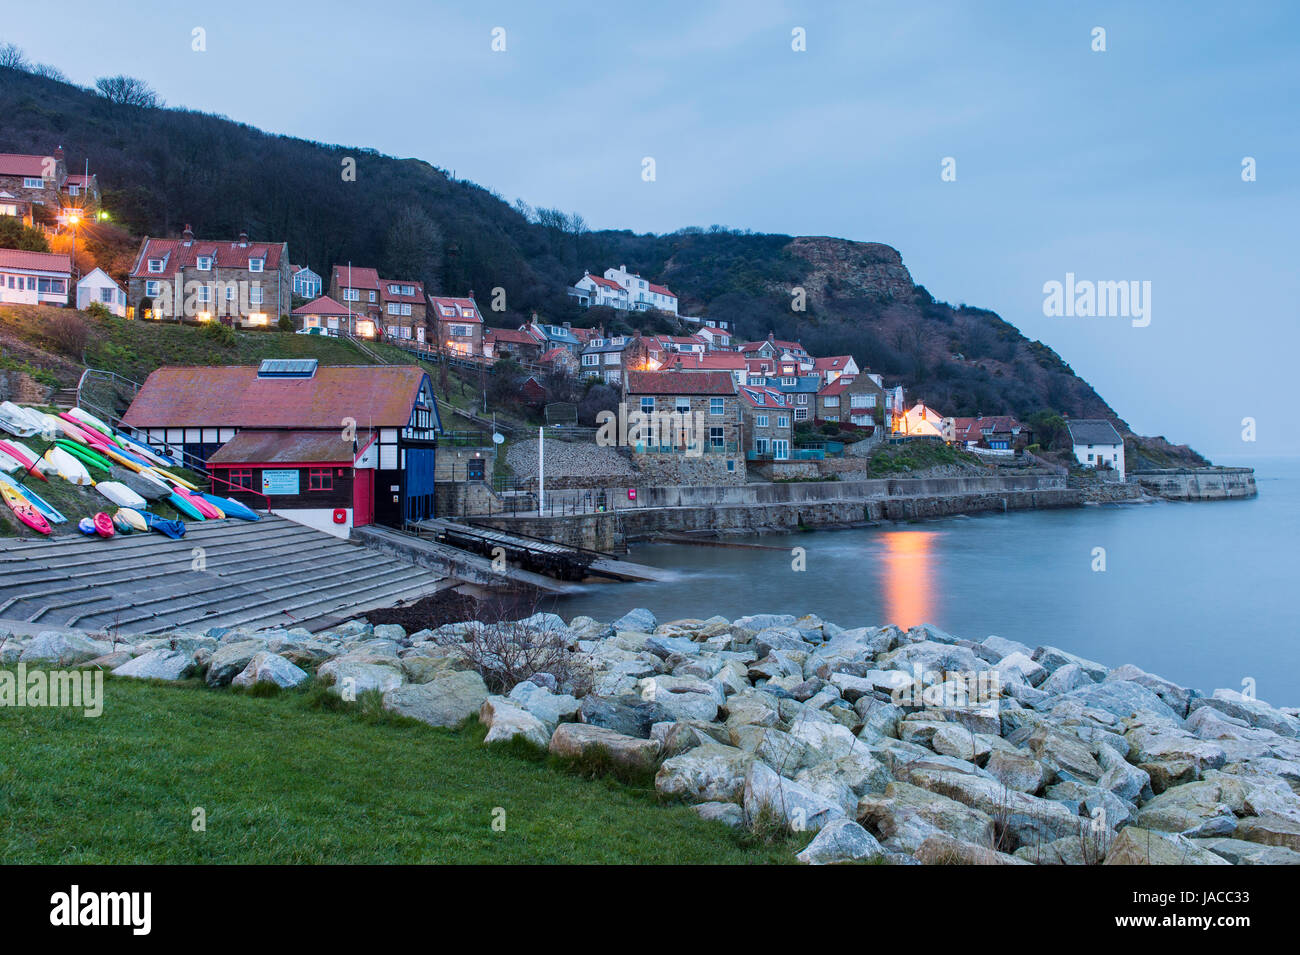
point(188, 235)
point(243, 240)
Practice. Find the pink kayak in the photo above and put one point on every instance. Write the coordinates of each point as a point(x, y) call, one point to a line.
point(202, 506)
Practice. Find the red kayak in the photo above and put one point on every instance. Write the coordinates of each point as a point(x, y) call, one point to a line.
point(83, 433)
point(103, 525)
point(23, 509)
point(202, 506)
point(17, 453)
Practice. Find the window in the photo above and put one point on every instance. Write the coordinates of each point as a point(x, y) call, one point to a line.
point(374, 296)
point(760, 446)
point(831, 401)
point(683, 405)
point(787, 380)
point(589, 360)
point(350, 295)
point(460, 331)
point(647, 405)
point(862, 401)
point(717, 405)
point(74, 190)
point(320, 479)
point(33, 182)
point(783, 421)
point(241, 478)
point(255, 265)
point(204, 263)
point(204, 294)
point(152, 288)
point(255, 295)
point(760, 421)
point(106, 295)
point(155, 265)
point(394, 308)
point(715, 438)
point(802, 399)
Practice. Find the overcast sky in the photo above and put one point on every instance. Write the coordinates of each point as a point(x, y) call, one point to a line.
point(1116, 165)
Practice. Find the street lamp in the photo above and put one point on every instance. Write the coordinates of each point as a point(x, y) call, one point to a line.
point(73, 219)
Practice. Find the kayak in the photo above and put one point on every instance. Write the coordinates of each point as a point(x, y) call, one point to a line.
point(85, 455)
point(210, 511)
point(67, 467)
point(150, 475)
point(93, 436)
point(23, 509)
point(121, 524)
point(133, 517)
point(85, 417)
point(45, 507)
point(128, 443)
point(16, 420)
point(176, 479)
point(119, 494)
point(184, 506)
point(103, 524)
point(232, 508)
point(24, 456)
point(87, 526)
point(173, 529)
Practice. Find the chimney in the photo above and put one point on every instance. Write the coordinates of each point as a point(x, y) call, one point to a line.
point(187, 237)
point(243, 240)
point(58, 153)
point(568, 326)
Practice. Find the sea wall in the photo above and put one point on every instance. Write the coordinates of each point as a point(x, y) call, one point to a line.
point(1198, 484)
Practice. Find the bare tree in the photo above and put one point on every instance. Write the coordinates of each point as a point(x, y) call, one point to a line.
point(12, 57)
point(127, 91)
point(49, 72)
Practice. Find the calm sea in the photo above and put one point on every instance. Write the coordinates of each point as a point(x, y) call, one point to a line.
point(1204, 594)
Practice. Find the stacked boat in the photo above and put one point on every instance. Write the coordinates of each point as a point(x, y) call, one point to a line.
point(82, 449)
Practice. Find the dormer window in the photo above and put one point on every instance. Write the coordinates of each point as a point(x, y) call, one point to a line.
point(156, 265)
point(204, 263)
point(255, 265)
point(33, 182)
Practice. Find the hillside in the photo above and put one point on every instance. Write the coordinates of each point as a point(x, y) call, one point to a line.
point(162, 168)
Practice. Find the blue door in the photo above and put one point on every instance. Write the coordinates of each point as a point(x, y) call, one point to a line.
point(417, 488)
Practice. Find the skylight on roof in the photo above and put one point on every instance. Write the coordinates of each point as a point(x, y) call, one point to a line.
point(287, 368)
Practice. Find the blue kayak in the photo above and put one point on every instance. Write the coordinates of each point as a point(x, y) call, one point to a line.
point(139, 447)
point(184, 506)
point(232, 508)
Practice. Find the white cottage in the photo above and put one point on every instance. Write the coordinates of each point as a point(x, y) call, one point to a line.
point(34, 278)
point(97, 286)
point(1097, 444)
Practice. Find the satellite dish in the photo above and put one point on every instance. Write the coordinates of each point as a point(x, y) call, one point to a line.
point(498, 437)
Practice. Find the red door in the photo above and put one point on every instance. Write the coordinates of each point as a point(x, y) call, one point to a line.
point(363, 497)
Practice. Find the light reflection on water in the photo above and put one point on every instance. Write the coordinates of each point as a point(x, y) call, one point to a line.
point(907, 581)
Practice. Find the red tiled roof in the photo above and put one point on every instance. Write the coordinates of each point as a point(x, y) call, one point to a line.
point(321, 306)
point(415, 298)
point(761, 396)
point(35, 261)
point(608, 283)
point(833, 363)
point(17, 164)
point(460, 304)
point(837, 387)
point(234, 396)
point(79, 179)
point(290, 447)
point(559, 351)
point(511, 335)
point(709, 361)
point(226, 255)
point(661, 290)
point(680, 383)
point(361, 278)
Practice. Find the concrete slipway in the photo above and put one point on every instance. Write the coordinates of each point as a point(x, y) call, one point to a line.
point(223, 573)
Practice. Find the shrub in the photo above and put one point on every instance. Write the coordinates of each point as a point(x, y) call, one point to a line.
point(98, 310)
point(218, 333)
point(69, 333)
point(285, 323)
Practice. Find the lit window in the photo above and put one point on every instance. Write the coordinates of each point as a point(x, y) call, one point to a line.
point(320, 479)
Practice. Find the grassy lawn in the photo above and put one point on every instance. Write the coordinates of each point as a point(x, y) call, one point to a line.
point(900, 459)
point(288, 779)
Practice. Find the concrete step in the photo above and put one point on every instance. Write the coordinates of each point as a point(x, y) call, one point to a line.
point(267, 573)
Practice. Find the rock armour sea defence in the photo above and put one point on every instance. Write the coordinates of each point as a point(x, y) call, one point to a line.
point(869, 743)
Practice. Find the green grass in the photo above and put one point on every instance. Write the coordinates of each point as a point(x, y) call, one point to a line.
point(286, 779)
point(916, 455)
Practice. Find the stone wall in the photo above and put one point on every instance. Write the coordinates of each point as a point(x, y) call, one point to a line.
point(21, 388)
point(670, 470)
point(1198, 484)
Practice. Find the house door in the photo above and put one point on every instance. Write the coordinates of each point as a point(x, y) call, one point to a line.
point(780, 449)
point(363, 497)
point(419, 334)
point(417, 484)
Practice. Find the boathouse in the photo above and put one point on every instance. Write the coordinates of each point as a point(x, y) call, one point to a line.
point(333, 447)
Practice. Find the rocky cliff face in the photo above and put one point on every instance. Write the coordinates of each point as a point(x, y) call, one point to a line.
point(846, 268)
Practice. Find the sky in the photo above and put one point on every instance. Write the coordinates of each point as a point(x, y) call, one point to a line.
point(1122, 164)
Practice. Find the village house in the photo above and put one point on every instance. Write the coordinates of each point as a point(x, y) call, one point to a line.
point(1097, 444)
point(405, 310)
point(835, 367)
point(715, 339)
point(98, 286)
point(802, 390)
point(551, 336)
point(241, 282)
point(922, 422)
point(603, 358)
point(731, 362)
point(43, 183)
point(357, 288)
point(851, 400)
point(34, 278)
point(501, 343)
point(622, 289)
point(456, 325)
point(306, 283)
point(995, 433)
point(559, 361)
point(11, 205)
point(709, 398)
point(279, 433)
point(768, 423)
point(323, 313)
